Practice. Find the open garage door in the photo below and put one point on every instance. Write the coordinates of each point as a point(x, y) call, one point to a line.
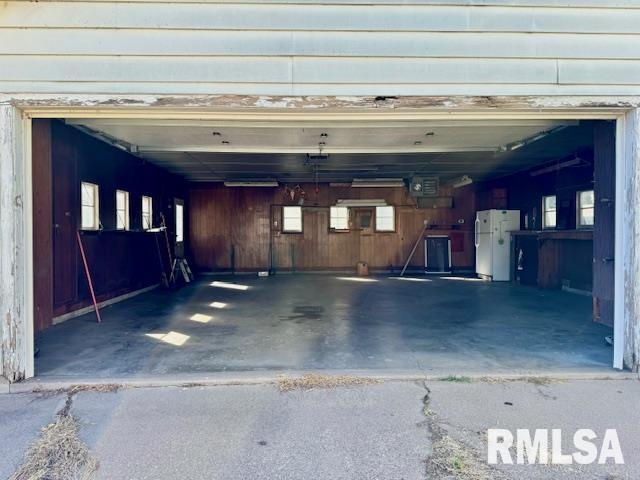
point(505, 228)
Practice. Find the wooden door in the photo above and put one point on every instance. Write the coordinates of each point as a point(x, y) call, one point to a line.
point(604, 222)
point(364, 224)
point(65, 194)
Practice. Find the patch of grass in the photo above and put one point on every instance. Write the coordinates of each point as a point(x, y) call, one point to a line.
point(455, 460)
point(311, 381)
point(456, 379)
point(58, 454)
point(457, 463)
point(541, 381)
point(73, 389)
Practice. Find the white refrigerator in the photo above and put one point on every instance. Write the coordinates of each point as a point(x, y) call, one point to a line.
point(493, 242)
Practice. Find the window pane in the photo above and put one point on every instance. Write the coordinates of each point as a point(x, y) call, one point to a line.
point(179, 223)
point(292, 219)
point(550, 219)
point(586, 199)
point(88, 194)
point(120, 200)
point(339, 218)
point(120, 220)
point(550, 203)
point(385, 219)
point(147, 212)
point(586, 217)
point(88, 217)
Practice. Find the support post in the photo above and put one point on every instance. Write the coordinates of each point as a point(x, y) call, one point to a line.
point(16, 306)
point(628, 248)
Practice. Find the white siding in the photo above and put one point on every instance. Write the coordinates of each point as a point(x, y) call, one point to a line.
point(297, 48)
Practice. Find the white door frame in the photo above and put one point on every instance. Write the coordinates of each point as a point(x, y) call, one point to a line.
point(625, 158)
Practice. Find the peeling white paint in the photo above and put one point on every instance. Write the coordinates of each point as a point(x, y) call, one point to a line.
point(14, 331)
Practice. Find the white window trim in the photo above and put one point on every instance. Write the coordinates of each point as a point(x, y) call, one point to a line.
point(393, 218)
point(544, 213)
point(289, 230)
point(126, 210)
point(331, 217)
point(579, 208)
point(144, 197)
point(96, 206)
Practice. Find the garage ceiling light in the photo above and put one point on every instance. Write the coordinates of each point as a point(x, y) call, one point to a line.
point(354, 203)
point(251, 184)
point(462, 181)
point(377, 182)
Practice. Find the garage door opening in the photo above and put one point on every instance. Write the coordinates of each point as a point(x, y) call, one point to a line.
point(298, 233)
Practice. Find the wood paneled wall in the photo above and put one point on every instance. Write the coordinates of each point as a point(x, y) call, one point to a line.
point(120, 261)
point(235, 228)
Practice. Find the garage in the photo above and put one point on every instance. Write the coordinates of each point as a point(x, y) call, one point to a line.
point(439, 246)
point(441, 187)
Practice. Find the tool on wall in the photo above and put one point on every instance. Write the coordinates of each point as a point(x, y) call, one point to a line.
point(88, 274)
point(415, 246)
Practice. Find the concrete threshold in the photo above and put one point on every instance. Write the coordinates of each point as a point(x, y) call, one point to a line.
point(52, 383)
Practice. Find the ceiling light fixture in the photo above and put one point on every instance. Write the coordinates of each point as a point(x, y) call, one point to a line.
point(361, 202)
point(251, 184)
point(510, 147)
point(558, 166)
point(377, 182)
point(462, 181)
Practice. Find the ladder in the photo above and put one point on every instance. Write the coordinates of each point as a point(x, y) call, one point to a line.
point(181, 267)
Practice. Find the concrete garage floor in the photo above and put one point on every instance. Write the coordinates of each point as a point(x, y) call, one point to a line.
point(430, 325)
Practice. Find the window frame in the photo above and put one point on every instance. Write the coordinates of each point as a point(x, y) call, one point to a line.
point(331, 217)
point(545, 211)
point(150, 214)
point(95, 207)
point(288, 230)
point(579, 209)
point(393, 218)
point(127, 221)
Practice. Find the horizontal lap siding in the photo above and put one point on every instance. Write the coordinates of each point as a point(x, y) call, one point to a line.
point(332, 49)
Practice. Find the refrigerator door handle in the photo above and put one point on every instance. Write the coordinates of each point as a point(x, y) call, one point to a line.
point(475, 233)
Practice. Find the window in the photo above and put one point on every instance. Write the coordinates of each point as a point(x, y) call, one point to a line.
point(549, 211)
point(339, 218)
point(385, 219)
point(147, 212)
point(122, 210)
point(585, 204)
point(89, 201)
point(179, 221)
point(292, 219)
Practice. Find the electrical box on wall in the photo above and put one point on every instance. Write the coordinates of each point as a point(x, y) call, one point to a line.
point(424, 186)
